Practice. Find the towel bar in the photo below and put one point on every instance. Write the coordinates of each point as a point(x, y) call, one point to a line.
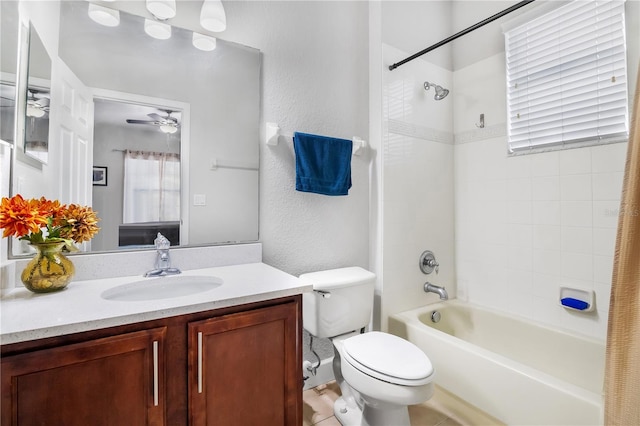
point(273, 133)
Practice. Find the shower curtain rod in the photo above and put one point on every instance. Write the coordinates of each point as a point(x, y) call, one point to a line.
point(461, 33)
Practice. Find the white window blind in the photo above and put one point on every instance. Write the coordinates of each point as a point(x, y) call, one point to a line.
point(567, 77)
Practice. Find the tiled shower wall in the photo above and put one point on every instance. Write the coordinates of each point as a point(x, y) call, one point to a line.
point(417, 184)
point(528, 224)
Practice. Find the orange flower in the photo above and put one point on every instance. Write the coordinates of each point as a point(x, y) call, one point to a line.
point(82, 223)
point(52, 209)
point(19, 217)
point(42, 220)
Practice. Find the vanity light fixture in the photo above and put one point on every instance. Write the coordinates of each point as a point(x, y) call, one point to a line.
point(162, 9)
point(156, 29)
point(104, 16)
point(212, 16)
point(204, 42)
point(168, 128)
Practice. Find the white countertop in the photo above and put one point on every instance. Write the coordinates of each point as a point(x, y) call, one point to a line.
point(28, 316)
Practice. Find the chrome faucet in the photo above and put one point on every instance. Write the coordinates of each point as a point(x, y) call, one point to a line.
point(163, 260)
point(431, 288)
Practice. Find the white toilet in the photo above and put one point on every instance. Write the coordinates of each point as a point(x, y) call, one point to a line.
point(379, 374)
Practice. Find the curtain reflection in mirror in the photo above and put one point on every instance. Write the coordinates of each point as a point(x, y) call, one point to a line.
point(151, 187)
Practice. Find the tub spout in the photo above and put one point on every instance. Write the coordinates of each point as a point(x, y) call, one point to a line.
point(440, 291)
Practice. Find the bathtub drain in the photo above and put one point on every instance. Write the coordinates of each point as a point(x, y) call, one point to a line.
point(435, 316)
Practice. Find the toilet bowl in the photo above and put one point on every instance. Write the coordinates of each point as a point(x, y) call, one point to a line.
point(379, 374)
point(387, 374)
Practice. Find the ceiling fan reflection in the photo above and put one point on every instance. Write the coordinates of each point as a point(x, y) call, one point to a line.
point(166, 124)
point(37, 103)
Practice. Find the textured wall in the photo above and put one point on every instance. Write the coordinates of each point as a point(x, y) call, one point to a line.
point(314, 79)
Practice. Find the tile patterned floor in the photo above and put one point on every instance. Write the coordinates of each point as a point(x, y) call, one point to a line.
point(443, 409)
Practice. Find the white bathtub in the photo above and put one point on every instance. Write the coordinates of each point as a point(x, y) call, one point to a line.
point(518, 371)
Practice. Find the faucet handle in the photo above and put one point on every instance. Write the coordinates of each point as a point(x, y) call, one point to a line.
point(161, 242)
point(428, 262)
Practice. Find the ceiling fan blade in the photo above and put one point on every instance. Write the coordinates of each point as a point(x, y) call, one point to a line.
point(7, 98)
point(43, 102)
point(156, 117)
point(151, 122)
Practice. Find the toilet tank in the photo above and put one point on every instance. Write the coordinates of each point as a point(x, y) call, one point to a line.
point(341, 301)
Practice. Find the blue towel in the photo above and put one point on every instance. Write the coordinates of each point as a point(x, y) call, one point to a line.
point(323, 164)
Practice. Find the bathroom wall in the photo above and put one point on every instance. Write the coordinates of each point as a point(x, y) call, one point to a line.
point(523, 225)
point(417, 185)
point(314, 79)
point(417, 158)
point(528, 224)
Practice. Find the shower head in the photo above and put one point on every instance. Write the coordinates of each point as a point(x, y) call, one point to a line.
point(441, 92)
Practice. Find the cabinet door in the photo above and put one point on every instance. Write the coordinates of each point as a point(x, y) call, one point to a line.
point(244, 368)
point(111, 381)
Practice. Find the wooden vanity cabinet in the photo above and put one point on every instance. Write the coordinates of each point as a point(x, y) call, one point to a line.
point(108, 381)
point(230, 366)
point(238, 375)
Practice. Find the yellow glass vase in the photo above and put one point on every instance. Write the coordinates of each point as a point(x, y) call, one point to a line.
point(49, 270)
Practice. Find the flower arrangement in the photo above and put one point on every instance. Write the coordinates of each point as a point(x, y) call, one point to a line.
point(45, 221)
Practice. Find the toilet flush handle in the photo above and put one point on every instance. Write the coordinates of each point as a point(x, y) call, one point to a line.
point(325, 294)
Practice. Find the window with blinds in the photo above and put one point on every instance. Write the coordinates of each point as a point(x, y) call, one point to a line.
point(567, 78)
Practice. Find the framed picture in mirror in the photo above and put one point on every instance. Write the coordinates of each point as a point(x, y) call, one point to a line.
point(99, 176)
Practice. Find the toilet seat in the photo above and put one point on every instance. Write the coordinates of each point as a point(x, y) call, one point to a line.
point(388, 358)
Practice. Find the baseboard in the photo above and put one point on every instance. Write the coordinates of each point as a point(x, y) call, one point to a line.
point(324, 374)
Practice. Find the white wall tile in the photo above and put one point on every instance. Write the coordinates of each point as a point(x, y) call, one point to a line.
point(547, 262)
point(519, 212)
point(575, 161)
point(602, 269)
point(577, 239)
point(545, 188)
point(607, 186)
point(604, 241)
point(519, 189)
point(552, 215)
point(609, 158)
point(545, 164)
point(576, 213)
point(519, 166)
point(576, 187)
point(546, 213)
point(605, 214)
point(577, 266)
point(547, 237)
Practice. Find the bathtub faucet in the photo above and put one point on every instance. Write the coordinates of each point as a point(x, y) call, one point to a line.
point(431, 288)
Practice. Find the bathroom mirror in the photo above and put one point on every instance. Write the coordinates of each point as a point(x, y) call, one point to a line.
point(36, 136)
point(217, 94)
point(8, 65)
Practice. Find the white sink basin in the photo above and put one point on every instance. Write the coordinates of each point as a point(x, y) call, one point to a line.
point(162, 288)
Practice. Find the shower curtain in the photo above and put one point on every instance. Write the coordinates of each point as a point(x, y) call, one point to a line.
point(622, 371)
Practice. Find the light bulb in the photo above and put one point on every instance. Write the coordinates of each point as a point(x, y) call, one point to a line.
point(204, 42)
point(162, 9)
point(168, 128)
point(157, 29)
point(212, 16)
point(34, 111)
point(104, 15)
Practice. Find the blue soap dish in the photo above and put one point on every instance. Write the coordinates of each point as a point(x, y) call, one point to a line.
point(577, 299)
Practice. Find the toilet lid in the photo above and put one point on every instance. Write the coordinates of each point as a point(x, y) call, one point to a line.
point(389, 358)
